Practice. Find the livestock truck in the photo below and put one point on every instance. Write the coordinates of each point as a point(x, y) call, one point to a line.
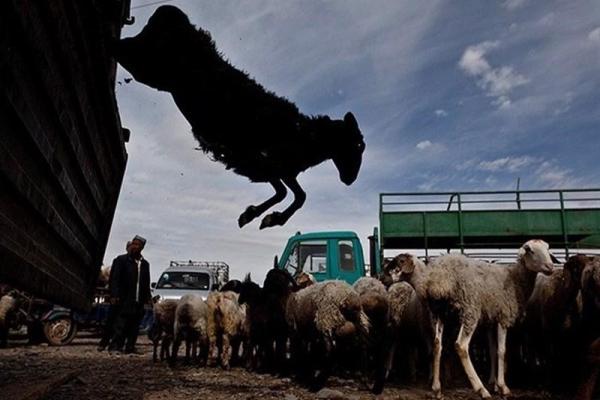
point(490, 225)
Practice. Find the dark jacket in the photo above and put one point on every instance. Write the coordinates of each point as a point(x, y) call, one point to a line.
point(124, 278)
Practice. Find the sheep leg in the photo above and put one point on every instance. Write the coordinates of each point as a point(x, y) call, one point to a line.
point(176, 344)
point(437, 356)
point(493, 349)
point(255, 211)
point(226, 353)
point(504, 390)
point(462, 348)
point(188, 345)
point(280, 218)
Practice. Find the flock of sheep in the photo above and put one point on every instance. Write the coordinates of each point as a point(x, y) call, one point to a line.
point(400, 322)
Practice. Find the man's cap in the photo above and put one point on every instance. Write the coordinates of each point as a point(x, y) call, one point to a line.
point(139, 238)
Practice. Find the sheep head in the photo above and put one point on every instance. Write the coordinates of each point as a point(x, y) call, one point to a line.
point(535, 255)
point(349, 149)
point(402, 264)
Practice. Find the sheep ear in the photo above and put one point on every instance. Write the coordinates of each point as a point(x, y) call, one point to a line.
point(409, 266)
point(554, 259)
point(248, 278)
point(350, 120)
point(527, 248)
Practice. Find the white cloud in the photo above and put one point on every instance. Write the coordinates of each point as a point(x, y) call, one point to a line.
point(553, 176)
point(424, 144)
point(510, 164)
point(497, 82)
point(513, 4)
point(594, 35)
point(441, 113)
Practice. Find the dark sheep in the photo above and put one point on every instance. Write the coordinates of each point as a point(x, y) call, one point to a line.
point(266, 314)
point(238, 122)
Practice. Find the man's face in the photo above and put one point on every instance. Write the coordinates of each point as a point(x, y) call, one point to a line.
point(135, 247)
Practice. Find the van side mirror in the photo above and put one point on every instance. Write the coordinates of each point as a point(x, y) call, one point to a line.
point(276, 262)
point(153, 285)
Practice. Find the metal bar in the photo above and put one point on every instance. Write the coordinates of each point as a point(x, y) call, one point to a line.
point(563, 222)
point(450, 203)
point(460, 224)
point(396, 203)
point(488, 192)
point(424, 214)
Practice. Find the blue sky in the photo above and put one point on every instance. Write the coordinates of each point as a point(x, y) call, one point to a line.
point(450, 95)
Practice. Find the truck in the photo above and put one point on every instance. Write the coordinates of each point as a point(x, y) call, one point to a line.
point(490, 225)
point(190, 277)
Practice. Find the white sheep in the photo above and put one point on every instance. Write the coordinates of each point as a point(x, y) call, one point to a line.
point(319, 316)
point(375, 303)
point(227, 324)
point(190, 325)
point(8, 304)
point(161, 331)
point(482, 292)
point(410, 316)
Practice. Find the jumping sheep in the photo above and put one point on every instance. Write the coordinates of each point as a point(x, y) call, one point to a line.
point(480, 292)
point(252, 131)
point(190, 325)
point(319, 316)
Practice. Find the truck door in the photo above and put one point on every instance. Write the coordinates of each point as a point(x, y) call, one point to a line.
point(345, 255)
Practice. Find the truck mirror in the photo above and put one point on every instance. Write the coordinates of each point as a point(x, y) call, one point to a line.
point(275, 262)
point(153, 285)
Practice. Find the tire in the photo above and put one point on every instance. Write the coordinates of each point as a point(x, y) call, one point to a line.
point(60, 331)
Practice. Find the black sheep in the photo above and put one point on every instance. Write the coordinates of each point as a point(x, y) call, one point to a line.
point(253, 131)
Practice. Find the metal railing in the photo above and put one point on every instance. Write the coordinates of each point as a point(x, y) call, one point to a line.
point(517, 200)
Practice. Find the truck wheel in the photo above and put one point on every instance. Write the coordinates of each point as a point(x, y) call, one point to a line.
point(60, 331)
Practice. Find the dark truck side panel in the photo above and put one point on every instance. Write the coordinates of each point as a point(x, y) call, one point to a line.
point(62, 153)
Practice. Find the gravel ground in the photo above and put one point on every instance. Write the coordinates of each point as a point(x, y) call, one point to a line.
point(100, 376)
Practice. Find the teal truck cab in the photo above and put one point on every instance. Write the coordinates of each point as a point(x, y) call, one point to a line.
point(329, 255)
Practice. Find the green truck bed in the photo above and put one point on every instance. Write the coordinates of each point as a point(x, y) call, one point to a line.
point(493, 220)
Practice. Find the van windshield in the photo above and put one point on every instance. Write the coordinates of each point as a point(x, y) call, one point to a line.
point(184, 280)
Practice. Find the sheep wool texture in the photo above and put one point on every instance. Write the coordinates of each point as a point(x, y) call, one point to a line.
point(480, 290)
point(7, 303)
point(164, 313)
point(400, 296)
point(191, 312)
point(324, 306)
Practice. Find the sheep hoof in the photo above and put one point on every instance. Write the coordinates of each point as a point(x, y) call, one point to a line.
point(504, 391)
point(247, 216)
point(484, 393)
point(437, 394)
point(275, 218)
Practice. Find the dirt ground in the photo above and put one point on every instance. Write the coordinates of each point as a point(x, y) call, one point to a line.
point(78, 371)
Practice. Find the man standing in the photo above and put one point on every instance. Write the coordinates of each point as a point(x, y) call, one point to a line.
point(130, 291)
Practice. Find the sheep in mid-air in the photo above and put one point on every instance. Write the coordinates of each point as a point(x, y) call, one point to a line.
point(237, 121)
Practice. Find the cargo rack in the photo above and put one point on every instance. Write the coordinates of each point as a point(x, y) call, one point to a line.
point(569, 220)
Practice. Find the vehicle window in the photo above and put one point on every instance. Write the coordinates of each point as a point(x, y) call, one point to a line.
point(346, 255)
point(292, 262)
point(184, 280)
point(313, 256)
